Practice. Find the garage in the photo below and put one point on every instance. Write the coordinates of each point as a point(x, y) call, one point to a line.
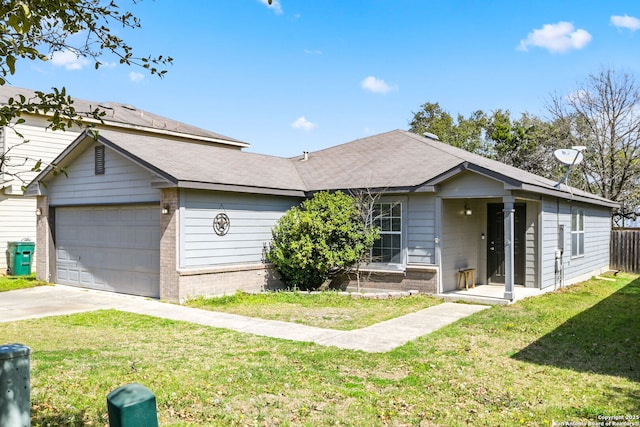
point(109, 248)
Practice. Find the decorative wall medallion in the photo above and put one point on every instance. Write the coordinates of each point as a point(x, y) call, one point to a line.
point(221, 224)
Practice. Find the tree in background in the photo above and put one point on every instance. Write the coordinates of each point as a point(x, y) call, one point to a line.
point(463, 133)
point(319, 239)
point(36, 30)
point(526, 143)
point(603, 114)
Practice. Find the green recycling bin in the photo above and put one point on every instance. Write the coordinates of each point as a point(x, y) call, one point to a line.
point(19, 258)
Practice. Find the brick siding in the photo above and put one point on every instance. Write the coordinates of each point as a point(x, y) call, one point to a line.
point(228, 280)
point(169, 279)
point(423, 279)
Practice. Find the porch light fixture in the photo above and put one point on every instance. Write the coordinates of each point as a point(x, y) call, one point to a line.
point(467, 211)
point(165, 210)
point(38, 212)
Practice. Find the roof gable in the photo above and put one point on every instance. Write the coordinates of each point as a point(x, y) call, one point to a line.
point(190, 165)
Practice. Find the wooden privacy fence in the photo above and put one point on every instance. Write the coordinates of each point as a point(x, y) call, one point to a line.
point(625, 250)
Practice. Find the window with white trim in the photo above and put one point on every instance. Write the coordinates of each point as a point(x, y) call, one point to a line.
point(388, 248)
point(577, 232)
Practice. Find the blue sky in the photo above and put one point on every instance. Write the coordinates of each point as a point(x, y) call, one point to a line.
point(305, 75)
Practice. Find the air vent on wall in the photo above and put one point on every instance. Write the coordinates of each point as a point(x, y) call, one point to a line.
point(99, 160)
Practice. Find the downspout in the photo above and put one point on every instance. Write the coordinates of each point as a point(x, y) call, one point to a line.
point(539, 245)
point(559, 252)
point(3, 145)
point(436, 240)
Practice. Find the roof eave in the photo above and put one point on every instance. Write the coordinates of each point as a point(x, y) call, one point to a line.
point(123, 125)
point(514, 184)
point(197, 185)
point(199, 138)
point(568, 195)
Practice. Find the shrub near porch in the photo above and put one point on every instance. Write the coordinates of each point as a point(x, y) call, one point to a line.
point(321, 238)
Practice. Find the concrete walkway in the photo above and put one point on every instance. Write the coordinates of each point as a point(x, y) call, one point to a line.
point(57, 300)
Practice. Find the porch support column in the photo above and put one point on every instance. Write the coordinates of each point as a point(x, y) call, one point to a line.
point(509, 273)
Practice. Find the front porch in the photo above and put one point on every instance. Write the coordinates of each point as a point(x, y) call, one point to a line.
point(490, 294)
point(498, 239)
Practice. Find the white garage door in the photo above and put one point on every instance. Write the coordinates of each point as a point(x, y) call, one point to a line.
point(111, 248)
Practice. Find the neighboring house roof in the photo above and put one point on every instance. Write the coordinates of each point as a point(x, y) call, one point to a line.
point(396, 161)
point(124, 116)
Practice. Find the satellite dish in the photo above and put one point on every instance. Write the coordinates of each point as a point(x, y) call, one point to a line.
point(569, 156)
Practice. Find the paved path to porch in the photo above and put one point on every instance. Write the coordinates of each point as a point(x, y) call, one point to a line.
point(57, 300)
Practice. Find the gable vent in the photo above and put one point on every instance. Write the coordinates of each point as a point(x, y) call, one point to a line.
point(99, 160)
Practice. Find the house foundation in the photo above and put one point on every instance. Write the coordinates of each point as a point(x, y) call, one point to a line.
point(421, 278)
point(227, 280)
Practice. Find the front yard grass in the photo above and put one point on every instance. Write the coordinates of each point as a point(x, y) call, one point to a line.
point(568, 356)
point(324, 310)
point(12, 283)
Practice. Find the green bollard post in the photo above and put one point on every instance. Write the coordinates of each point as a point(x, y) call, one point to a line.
point(132, 405)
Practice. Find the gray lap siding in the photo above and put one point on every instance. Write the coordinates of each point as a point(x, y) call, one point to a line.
point(597, 235)
point(123, 182)
point(421, 227)
point(251, 219)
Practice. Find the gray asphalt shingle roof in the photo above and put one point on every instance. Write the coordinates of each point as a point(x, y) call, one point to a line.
point(401, 159)
point(186, 155)
point(127, 116)
point(188, 164)
point(396, 160)
point(391, 159)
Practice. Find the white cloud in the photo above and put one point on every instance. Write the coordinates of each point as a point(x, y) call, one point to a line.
point(375, 85)
point(275, 6)
point(578, 97)
point(68, 60)
point(136, 77)
point(559, 37)
point(304, 124)
point(312, 52)
point(625, 21)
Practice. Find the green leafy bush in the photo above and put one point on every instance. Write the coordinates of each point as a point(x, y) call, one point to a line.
point(322, 237)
